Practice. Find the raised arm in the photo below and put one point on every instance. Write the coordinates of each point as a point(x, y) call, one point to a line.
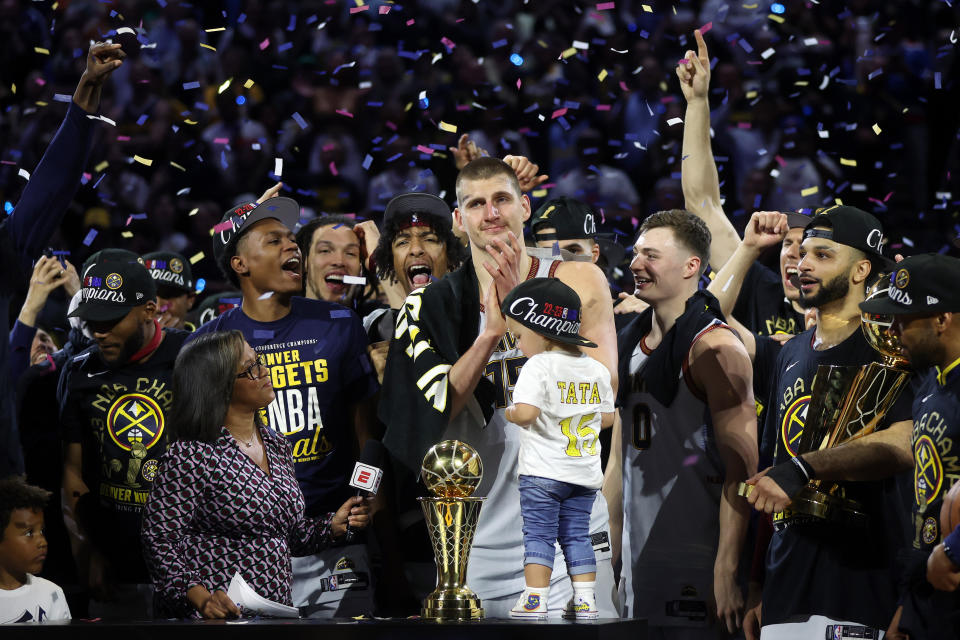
point(721, 367)
point(698, 175)
point(57, 176)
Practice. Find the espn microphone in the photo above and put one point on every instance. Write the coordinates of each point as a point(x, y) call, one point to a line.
point(366, 476)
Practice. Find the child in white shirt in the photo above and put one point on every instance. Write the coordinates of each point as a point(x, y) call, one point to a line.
point(25, 597)
point(562, 398)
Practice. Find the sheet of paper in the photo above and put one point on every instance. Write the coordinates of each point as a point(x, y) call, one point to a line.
point(252, 602)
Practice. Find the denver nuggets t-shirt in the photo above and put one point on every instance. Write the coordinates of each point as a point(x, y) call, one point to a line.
point(814, 566)
point(119, 416)
point(317, 358)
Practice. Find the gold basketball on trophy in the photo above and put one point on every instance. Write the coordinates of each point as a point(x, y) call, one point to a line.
point(452, 469)
point(875, 327)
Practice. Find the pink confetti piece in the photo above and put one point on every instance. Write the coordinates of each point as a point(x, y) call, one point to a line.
point(123, 138)
point(689, 461)
point(744, 125)
point(365, 7)
point(264, 44)
point(426, 150)
point(221, 141)
point(390, 125)
point(447, 42)
point(559, 112)
point(384, 10)
point(606, 6)
point(411, 22)
point(226, 225)
point(623, 85)
point(344, 112)
point(780, 161)
point(333, 169)
point(887, 197)
point(467, 107)
point(706, 28)
point(603, 107)
point(41, 81)
point(518, 83)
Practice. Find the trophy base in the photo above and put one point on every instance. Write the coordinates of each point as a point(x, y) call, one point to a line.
point(457, 604)
point(825, 506)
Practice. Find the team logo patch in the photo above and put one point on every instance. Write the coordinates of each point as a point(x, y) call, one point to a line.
point(533, 602)
point(176, 265)
point(929, 533)
point(114, 281)
point(901, 279)
point(344, 564)
point(927, 470)
point(793, 421)
point(135, 421)
point(149, 471)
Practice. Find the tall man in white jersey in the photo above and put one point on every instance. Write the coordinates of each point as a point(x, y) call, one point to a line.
point(686, 438)
point(452, 366)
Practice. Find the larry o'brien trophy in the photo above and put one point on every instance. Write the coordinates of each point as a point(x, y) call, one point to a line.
point(452, 471)
point(848, 402)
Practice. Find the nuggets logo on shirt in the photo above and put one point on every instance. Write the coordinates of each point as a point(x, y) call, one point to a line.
point(927, 470)
point(135, 421)
point(791, 428)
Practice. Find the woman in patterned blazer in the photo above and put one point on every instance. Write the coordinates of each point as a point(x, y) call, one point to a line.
point(225, 499)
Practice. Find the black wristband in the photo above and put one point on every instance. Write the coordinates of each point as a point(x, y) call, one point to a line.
point(789, 476)
point(806, 466)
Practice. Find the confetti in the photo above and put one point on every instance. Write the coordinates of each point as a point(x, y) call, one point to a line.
point(706, 28)
point(673, 121)
point(848, 163)
point(606, 6)
point(384, 10)
point(278, 167)
point(197, 257)
point(344, 112)
point(602, 75)
point(144, 161)
point(177, 166)
point(877, 129)
point(299, 120)
point(354, 280)
point(568, 52)
point(207, 46)
point(192, 85)
point(87, 241)
point(809, 191)
point(365, 7)
point(268, 294)
point(451, 128)
point(223, 87)
point(23, 173)
point(264, 44)
point(123, 30)
point(45, 52)
point(340, 313)
point(767, 53)
point(212, 30)
point(647, 8)
point(249, 83)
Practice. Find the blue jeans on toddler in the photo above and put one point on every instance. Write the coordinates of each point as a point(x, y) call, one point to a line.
point(553, 510)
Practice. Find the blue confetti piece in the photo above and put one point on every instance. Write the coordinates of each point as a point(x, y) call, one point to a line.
point(498, 44)
point(90, 236)
point(936, 80)
point(299, 120)
point(142, 119)
point(264, 334)
point(191, 85)
point(367, 161)
point(285, 46)
point(340, 313)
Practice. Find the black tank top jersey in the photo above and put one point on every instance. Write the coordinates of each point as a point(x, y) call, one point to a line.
point(814, 567)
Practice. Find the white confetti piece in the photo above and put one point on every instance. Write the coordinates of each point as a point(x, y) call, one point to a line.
point(278, 167)
point(354, 280)
point(673, 121)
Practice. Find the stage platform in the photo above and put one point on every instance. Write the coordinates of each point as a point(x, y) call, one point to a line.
point(393, 629)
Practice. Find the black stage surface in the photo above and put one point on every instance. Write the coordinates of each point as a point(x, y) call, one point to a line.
point(401, 629)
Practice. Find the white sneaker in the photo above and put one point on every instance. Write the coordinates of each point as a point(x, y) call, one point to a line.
point(582, 607)
point(531, 605)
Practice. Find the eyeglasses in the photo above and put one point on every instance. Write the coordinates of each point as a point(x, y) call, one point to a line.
point(256, 370)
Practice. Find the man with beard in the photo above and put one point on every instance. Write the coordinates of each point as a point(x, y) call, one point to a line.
point(686, 438)
point(325, 386)
point(924, 303)
point(452, 367)
point(114, 399)
point(822, 576)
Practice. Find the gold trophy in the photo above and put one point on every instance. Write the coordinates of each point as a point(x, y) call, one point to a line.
point(452, 470)
point(848, 402)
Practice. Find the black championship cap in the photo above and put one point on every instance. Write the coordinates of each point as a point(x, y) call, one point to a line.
point(111, 289)
point(169, 270)
point(237, 220)
point(548, 307)
point(110, 255)
point(925, 283)
point(571, 218)
point(851, 227)
point(423, 209)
